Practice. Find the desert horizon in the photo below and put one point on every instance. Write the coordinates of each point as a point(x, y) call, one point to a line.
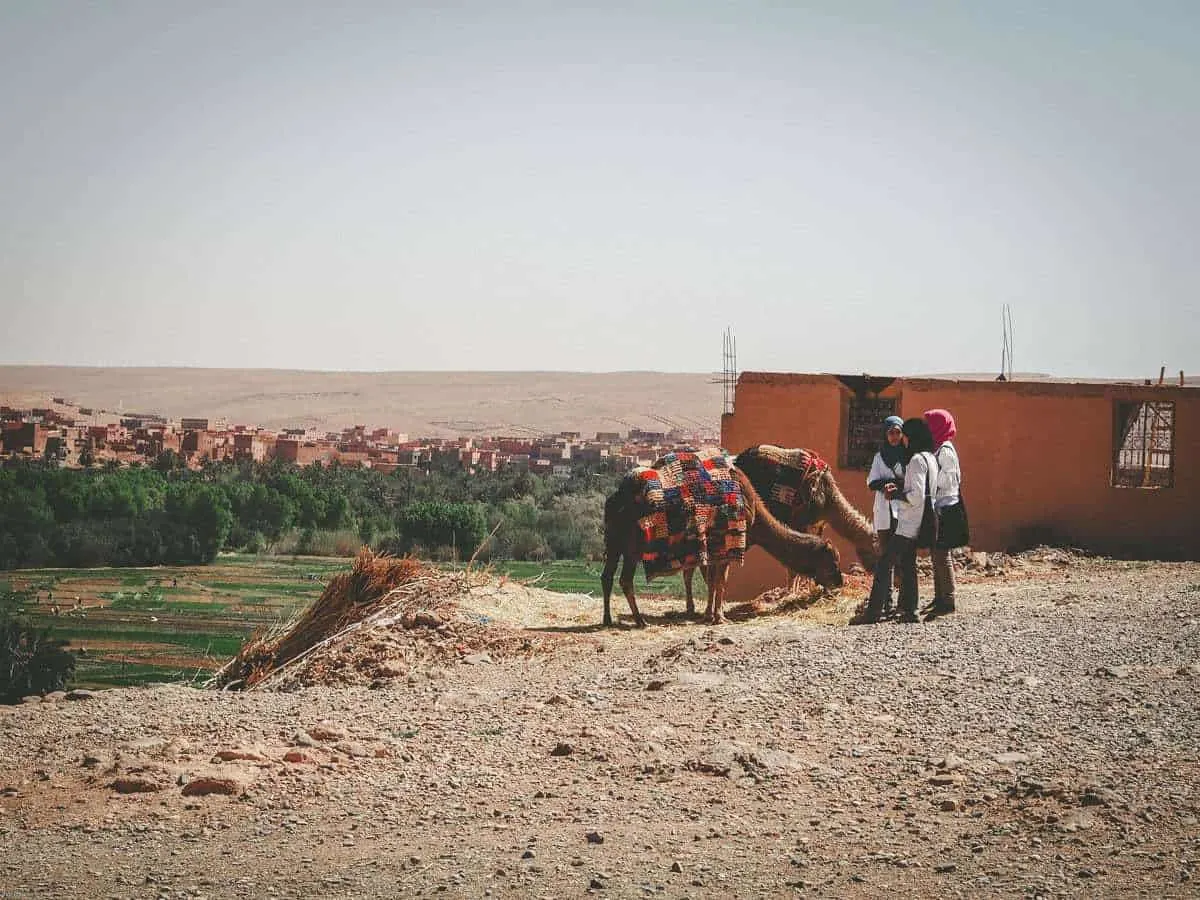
point(417, 402)
point(420, 402)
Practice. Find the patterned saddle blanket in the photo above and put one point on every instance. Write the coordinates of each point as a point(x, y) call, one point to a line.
point(787, 479)
point(691, 511)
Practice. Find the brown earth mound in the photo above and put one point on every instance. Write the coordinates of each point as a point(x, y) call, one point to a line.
point(384, 619)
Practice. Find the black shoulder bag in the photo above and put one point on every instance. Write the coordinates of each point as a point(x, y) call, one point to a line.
point(953, 528)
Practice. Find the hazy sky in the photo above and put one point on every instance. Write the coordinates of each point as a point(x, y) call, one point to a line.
point(852, 186)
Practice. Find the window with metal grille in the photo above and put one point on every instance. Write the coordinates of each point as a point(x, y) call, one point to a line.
point(1144, 444)
point(864, 429)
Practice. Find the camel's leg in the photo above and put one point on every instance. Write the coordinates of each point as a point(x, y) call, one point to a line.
point(687, 589)
point(611, 556)
point(708, 581)
point(628, 568)
point(718, 580)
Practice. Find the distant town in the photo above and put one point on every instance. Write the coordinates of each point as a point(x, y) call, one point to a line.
point(78, 436)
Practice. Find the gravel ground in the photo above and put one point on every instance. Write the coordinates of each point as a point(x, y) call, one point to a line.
point(1041, 742)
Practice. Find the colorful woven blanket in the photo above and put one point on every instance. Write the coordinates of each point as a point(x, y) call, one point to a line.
point(788, 480)
point(691, 511)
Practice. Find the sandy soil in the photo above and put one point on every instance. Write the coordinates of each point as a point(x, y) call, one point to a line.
point(413, 402)
point(1041, 742)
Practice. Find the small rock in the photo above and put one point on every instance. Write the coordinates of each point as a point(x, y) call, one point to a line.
point(594, 837)
point(1094, 795)
point(326, 733)
point(299, 756)
point(55, 696)
point(726, 640)
point(231, 755)
point(1115, 671)
point(426, 619)
point(558, 700)
point(656, 684)
point(209, 784)
point(949, 805)
point(562, 749)
point(81, 694)
point(1011, 758)
point(943, 779)
point(32, 698)
point(137, 784)
point(303, 739)
point(351, 748)
point(477, 659)
point(950, 762)
point(946, 868)
point(528, 854)
point(676, 867)
point(596, 885)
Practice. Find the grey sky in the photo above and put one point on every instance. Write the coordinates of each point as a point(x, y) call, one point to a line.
point(852, 187)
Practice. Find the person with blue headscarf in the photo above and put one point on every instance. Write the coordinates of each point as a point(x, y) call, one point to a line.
point(886, 479)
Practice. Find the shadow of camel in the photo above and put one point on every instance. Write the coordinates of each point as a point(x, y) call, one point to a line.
point(671, 619)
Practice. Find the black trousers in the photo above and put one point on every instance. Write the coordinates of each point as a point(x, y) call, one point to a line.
point(900, 554)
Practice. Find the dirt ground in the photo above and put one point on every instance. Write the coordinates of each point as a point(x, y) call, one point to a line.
point(1041, 742)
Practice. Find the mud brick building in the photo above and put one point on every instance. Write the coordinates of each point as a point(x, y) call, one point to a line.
point(1108, 466)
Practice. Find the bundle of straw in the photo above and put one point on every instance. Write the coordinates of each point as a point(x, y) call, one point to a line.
point(348, 598)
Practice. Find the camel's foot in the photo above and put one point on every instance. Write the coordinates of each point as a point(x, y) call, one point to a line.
point(640, 622)
point(715, 620)
point(691, 609)
point(607, 623)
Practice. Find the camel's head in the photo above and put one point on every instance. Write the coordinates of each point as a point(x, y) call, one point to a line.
point(869, 556)
point(827, 571)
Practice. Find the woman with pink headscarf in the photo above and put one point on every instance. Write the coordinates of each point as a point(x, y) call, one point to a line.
point(952, 517)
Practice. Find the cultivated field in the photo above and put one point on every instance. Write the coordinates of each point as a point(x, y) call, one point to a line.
point(138, 625)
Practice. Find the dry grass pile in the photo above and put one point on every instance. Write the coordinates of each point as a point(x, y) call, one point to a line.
point(383, 619)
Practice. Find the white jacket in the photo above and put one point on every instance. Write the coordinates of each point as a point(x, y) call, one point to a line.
point(949, 476)
point(912, 505)
point(884, 509)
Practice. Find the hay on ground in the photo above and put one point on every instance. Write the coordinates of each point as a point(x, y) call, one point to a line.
point(382, 619)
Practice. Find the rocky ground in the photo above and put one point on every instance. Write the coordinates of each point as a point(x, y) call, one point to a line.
point(1042, 742)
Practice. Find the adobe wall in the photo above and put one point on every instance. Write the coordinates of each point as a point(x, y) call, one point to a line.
point(1037, 460)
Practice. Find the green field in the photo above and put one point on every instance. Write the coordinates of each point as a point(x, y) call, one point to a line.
point(135, 626)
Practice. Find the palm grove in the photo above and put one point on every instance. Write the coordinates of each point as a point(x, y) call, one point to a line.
point(168, 514)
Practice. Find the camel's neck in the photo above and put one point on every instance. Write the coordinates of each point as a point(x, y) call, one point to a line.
point(783, 543)
point(848, 521)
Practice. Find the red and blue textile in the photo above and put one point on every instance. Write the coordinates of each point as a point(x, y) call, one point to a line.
point(787, 479)
point(691, 511)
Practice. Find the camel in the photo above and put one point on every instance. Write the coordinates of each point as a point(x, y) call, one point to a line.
point(818, 503)
point(623, 539)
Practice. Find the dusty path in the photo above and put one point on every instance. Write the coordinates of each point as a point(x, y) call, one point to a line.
point(1043, 742)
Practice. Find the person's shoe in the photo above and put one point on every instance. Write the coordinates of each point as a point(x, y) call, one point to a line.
point(937, 610)
point(868, 615)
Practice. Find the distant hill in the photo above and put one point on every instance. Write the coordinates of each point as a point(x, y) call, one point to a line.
point(420, 403)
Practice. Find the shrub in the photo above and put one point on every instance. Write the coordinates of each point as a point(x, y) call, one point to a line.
point(32, 661)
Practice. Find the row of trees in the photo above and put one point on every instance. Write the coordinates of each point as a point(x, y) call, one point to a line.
point(167, 514)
